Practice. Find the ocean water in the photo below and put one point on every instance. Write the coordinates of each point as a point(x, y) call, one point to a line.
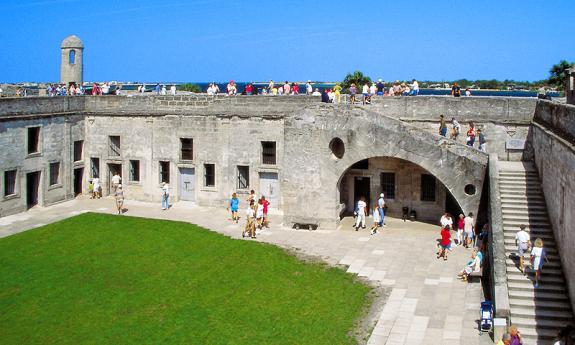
point(322, 86)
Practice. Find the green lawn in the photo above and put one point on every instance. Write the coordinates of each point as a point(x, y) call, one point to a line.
point(103, 279)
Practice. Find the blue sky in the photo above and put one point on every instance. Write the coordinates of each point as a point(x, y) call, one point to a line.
point(204, 40)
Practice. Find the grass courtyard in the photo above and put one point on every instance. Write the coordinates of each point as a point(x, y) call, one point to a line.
point(103, 279)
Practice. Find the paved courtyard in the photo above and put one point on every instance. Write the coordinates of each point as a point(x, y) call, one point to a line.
point(427, 304)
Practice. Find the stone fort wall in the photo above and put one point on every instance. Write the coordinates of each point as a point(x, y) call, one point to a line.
point(553, 138)
point(227, 132)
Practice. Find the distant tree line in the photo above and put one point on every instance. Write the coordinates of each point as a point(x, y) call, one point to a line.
point(557, 75)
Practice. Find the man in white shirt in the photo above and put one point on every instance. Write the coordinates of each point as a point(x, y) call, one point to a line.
point(414, 88)
point(116, 179)
point(523, 243)
point(361, 213)
point(380, 209)
point(308, 88)
point(173, 90)
point(468, 225)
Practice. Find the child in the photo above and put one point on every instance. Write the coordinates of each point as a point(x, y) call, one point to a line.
point(460, 225)
point(376, 220)
point(234, 203)
point(260, 213)
point(266, 204)
point(250, 228)
point(91, 189)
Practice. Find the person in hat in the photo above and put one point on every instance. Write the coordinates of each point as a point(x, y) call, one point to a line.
point(380, 208)
point(119, 195)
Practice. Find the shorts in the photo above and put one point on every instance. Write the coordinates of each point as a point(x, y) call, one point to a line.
point(445, 246)
point(379, 93)
point(469, 233)
point(522, 249)
point(234, 209)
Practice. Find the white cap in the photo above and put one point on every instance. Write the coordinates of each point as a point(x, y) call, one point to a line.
point(381, 195)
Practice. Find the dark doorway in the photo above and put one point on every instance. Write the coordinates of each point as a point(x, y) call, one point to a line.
point(451, 206)
point(113, 169)
point(361, 188)
point(78, 178)
point(32, 188)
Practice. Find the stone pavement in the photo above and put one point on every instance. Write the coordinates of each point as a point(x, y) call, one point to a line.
point(427, 304)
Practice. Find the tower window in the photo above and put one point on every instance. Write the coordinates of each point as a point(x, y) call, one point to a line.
point(72, 57)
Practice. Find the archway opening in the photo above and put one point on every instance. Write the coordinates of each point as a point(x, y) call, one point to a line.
point(407, 187)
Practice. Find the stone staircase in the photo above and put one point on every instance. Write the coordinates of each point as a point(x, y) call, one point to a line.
point(538, 313)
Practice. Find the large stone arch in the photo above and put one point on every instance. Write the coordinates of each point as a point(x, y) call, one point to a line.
point(367, 134)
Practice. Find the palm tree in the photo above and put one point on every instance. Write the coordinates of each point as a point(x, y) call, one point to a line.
point(559, 73)
point(356, 78)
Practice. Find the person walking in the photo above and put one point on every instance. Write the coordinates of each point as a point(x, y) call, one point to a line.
point(523, 244)
point(250, 229)
point(442, 126)
point(537, 256)
point(97, 188)
point(468, 227)
point(445, 243)
point(381, 209)
point(460, 226)
point(265, 204)
point(352, 92)
point(234, 203)
point(119, 195)
point(471, 134)
point(515, 335)
point(361, 213)
point(116, 180)
point(455, 129)
point(482, 141)
point(260, 214)
point(376, 220)
point(165, 196)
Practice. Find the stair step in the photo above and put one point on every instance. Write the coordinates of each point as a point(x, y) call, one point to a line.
point(524, 188)
point(552, 264)
point(530, 286)
point(524, 211)
point(548, 271)
point(536, 336)
point(523, 208)
point(519, 178)
point(511, 190)
point(528, 313)
point(525, 218)
point(544, 280)
point(548, 249)
point(540, 304)
point(510, 240)
point(516, 198)
point(543, 230)
point(519, 172)
point(523, 203)
point(529, 224)
point(546, 236)
point(539, 323)
point(543, 296)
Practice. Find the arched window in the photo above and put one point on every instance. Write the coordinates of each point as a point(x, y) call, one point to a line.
point(72, 57)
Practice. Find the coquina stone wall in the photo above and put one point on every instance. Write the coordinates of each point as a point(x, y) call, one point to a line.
point(553, 139)
point(228, 131)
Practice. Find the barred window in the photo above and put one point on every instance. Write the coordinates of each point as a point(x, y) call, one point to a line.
point(388, 185)
point(54, 173)
point(95, 167)
point(115, 148)
point(135, 171)
point(243, 177)
point(187, 148)
point(268, 152)
point(78, 148)
point(209, 175)
point(427, 187)
point(165, 171)
point(9, 182)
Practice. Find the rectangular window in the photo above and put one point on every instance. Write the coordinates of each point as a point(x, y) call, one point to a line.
point(54, 173)
point(78, 148)
point(427, 187)
point(115, 145)
point(9, 182)
point(33, 140)
point(243, 177)
point(268, 152)
point(388, 185)
point(209, 175)
point(95, 167)
point(187, 152)
point(135, 171)
point(165, 171)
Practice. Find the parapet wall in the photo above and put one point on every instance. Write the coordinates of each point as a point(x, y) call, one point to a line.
point(40, 105)
point(554, 149)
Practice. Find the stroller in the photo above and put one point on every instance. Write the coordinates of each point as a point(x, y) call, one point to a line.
point(486, 316)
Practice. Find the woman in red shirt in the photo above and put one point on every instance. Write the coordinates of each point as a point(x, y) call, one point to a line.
point(445, 242)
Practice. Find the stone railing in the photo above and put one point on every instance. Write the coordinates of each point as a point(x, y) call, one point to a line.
point(558, 118)
point(500, 293)
point(40, 105)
